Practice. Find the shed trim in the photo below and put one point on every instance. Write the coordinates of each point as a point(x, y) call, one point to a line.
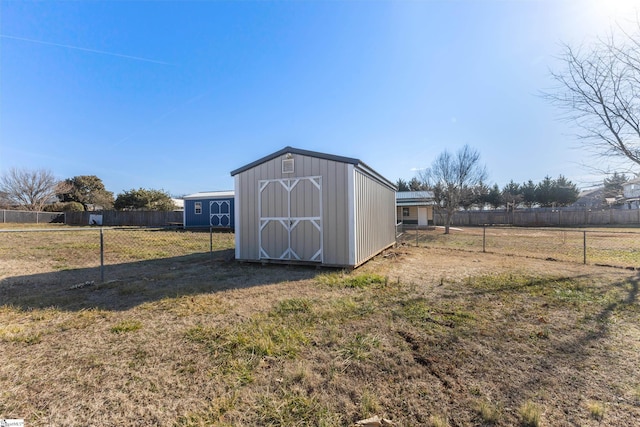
point(219, 216)
point(351, 223)
point(184, 218)
point(376, 176)
point(291, 150)
point(210, 195)
point(236, 213)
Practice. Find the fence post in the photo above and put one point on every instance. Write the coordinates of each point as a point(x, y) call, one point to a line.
point(101, 256)
point(210, 242)
point(584, 246)
point(417, 245)
point(484, 237)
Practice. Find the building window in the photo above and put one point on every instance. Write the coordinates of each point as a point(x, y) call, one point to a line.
point(405, 211)
point(198, 206)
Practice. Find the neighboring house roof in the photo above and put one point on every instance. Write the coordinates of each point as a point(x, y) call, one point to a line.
point(341, 159)
point(414, 198)
point(633, 181)
point(631, 189)
point(591, 192)
point(591, 198)
point(209, 195)
point(179, 203)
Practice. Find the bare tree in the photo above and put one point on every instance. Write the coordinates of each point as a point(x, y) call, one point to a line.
point(451, 177)
point(599, 89)
point(28, 189)
point(4, 201)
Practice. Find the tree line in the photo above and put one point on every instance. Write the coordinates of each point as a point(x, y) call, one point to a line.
point(457, 181)
point(39, 190)
point(547, 193)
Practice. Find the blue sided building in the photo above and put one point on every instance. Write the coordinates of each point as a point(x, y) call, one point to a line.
point(209, 209)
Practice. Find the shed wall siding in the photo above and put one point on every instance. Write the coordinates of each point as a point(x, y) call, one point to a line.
point(334, 177)
point(375, 217)
point(192, 219)
point(203, 219)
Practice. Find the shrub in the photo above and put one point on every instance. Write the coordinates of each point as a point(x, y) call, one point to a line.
point(64, 207)
point(530, 415)
point(596, 410)
point(126, 326)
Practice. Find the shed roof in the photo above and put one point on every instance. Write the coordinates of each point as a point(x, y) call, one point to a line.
point(420, 195)
point(414, 198)
point(209, 195)
point(286, 150)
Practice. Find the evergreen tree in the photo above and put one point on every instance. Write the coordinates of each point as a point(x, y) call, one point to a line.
point(494, 197)
point(544, 194)
point(143, 199)
point(402, 185)
point(564, 191)
point(613, 185)
point(528, 191)
point(512, 194)
point(416, 185)
point(87, 190)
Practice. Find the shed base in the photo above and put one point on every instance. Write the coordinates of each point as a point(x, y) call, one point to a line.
point(316, 264)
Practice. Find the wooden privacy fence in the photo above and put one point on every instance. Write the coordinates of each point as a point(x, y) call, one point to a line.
point(122, 218)
point(543, 217)
point(30, 217)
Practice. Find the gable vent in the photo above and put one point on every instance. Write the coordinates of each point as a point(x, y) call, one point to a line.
point(287, 166)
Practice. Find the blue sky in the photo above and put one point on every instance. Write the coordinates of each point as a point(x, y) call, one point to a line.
point(174, 95)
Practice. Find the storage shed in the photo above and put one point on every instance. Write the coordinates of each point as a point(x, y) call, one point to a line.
point(302, 206)
point(209, 209)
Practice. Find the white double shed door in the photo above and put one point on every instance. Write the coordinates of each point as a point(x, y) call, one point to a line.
point(290, 218)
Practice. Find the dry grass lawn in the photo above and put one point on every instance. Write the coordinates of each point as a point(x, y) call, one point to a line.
point(421, 336)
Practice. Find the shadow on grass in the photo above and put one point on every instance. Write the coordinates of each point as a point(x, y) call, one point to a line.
point(604, 317)
point(127, 285)
point(548, 370)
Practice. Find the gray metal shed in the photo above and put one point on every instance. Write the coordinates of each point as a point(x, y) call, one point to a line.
point(302, 206)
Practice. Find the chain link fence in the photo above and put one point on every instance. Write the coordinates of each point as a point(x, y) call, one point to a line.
point(85, 255)
point(611, 247)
